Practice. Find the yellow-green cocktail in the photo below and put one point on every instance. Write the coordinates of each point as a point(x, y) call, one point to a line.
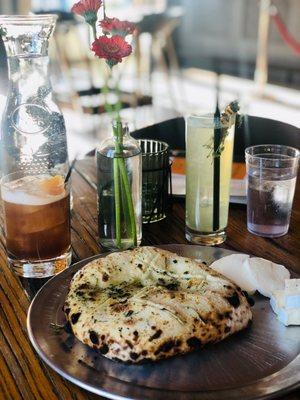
point(200, 160)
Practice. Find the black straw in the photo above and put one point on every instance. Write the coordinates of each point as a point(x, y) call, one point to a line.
point(70, 170)
point(216, 161)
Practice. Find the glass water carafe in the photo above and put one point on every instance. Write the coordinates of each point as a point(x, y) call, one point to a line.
point(33, 134)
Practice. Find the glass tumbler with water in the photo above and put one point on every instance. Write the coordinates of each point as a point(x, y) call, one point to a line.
point(271, 181)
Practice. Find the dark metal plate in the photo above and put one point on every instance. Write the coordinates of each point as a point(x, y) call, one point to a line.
point(259, 362)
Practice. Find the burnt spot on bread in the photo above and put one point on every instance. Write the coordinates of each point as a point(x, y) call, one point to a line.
point(227, 329)
point(135, 334)
point(234, 300)
point(144, 352)
point(129, 343)
point(94, 337)
point(75, 317)
point(175, 261)
point(104, 349)
point(172, 286)
point(220, 316)
point(83, 286)
point(156, 335)
point(140, 266)
point(249, 299)
point(67, 310)
point(165, 347)
point(194, 342)
point(79, 293)
point(133, 355)
point(105, 277)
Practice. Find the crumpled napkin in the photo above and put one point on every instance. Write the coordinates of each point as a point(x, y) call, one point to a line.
point(252, 273)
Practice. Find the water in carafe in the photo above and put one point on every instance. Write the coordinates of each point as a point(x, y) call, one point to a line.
point(33, 134)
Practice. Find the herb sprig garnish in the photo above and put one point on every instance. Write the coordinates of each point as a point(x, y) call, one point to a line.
point(225, 122)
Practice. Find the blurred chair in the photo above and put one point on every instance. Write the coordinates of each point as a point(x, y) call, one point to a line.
point(163, 53)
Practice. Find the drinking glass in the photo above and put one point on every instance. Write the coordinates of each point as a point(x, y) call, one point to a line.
point(207, 193)
point(155, 180)
point(271, 181)
point(36, 209)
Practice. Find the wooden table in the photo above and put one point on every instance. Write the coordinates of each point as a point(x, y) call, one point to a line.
point(22, 374)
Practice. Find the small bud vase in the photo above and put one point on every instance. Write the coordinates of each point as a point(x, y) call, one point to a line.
point(119, 184)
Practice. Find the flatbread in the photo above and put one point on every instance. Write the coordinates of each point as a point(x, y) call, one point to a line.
point(149, 304)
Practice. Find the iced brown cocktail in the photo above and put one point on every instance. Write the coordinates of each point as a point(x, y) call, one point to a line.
point(37, 223)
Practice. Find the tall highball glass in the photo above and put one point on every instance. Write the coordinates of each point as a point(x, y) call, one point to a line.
point(207, 192)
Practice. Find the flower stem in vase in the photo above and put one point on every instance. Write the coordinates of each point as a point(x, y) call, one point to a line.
point(117, 202)
point(125, 180)
point(121, 178)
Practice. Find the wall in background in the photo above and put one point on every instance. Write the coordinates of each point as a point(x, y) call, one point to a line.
point(14, 6)
point(218, 34)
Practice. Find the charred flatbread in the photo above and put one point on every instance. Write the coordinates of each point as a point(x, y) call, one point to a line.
point(149, 304)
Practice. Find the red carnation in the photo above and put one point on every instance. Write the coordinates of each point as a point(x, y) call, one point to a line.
point(112, 49)
point(116, 27)
point(84, 6)
point(88, 9)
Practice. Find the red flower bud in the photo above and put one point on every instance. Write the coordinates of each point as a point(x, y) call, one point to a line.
point(114, 26)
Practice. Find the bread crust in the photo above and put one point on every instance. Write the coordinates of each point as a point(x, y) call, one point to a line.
point(149, 304)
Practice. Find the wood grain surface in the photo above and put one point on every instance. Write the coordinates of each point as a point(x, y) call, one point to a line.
point(22, 374)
